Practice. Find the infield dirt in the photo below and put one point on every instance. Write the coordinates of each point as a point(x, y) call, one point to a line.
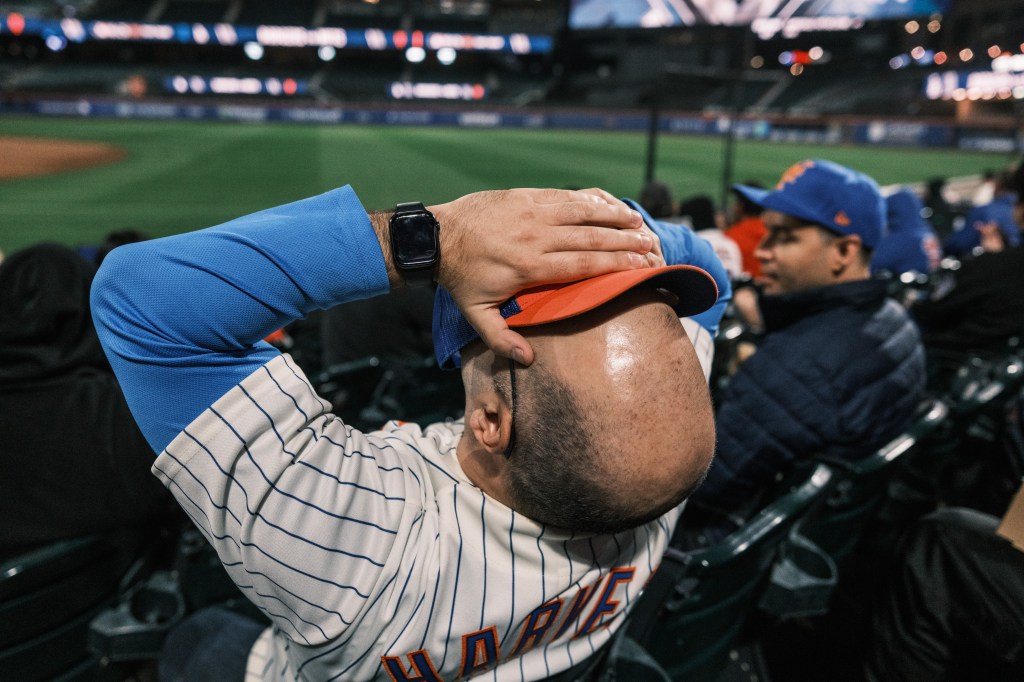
point(24, 157)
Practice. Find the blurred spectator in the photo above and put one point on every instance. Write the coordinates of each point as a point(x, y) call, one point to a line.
point(95, 253)
point(118, 238)
point(840, 370)
point(986, 190)
point(955, 606)
point(978, 308)
point(657, 199)
point(74, 462)
point(351, 331)
point(910, 244)
point(747, 230)
point(979, 221)
point(699, 213)
point(937, 210)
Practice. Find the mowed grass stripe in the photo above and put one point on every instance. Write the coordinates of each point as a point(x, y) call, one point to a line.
point(186, 175)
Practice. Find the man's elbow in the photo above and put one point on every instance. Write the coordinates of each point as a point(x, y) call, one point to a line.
point(110, 298)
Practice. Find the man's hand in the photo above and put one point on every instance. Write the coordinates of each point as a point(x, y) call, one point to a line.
point(494, 244)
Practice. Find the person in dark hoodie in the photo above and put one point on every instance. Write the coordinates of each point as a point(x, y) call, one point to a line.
point(73, 460)
point(910, 245)
point(840, 369)
point(997, 214)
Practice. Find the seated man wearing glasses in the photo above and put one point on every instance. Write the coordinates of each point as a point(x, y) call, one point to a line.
point(512, 541)
point(840, 369)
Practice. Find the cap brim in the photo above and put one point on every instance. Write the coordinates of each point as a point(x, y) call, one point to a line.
point(774, 200)
point(755, 195)
point(695, 289)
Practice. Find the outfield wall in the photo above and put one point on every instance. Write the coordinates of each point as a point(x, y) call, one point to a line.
point(1004, 138)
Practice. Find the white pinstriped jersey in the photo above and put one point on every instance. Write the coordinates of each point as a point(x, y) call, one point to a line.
point(376, 558)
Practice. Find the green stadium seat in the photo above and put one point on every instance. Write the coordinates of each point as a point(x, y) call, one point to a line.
point(47, 599)
point(693, 612)
point(860, 487)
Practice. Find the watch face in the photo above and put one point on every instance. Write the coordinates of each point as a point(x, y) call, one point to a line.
point(414, 240)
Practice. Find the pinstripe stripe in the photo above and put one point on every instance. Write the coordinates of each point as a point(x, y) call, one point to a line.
point(455, 596)
point(483, 544)
point(253, 512)
point(273, 486)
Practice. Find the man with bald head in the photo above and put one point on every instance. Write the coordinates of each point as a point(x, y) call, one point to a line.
point(512, 541)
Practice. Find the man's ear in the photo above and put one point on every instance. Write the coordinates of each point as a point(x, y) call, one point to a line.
point(490, 421)
point(847, 253)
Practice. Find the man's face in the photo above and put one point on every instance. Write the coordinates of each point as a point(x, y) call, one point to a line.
point(794, 255)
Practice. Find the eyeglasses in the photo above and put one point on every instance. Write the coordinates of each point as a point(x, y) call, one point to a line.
point(512, 390)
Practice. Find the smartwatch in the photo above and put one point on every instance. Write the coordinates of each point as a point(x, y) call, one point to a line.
point(415, 243)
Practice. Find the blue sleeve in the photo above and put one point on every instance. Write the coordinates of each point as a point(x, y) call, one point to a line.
point(182, 318)
point(682, 246)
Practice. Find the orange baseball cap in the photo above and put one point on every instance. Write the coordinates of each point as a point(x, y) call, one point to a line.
point(693, 287)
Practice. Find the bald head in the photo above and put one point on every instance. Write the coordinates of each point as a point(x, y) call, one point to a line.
point(614, 425)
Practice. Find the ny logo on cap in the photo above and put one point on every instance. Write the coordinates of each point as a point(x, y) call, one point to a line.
point(794, 172)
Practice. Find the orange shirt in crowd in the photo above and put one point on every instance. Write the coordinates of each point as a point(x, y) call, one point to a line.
point(747, 234)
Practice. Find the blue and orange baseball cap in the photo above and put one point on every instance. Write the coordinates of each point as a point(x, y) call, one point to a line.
point(695, 289)
point(837, 198)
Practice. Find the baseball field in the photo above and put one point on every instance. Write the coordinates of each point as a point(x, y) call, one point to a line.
point(74, 180)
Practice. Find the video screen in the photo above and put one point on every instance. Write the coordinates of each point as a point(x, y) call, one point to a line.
point(602, 14)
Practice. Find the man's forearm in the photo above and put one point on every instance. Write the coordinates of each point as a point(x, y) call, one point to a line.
point(181, 318)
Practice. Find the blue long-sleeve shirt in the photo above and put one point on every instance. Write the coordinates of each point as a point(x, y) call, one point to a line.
point(182, 318)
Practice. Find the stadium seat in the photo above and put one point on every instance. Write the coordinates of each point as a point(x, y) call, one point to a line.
point(135, 628)
point(835, 526)
point(416, 391)
point(349, 386)
point(47, 598)
point(981, 461)
point(692, 613)
point(859, 487)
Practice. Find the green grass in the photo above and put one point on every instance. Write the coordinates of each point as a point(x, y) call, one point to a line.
point(181, 176)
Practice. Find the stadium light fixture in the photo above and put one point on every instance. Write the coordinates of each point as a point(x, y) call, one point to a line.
point(899, 61)
point(55, 43)
point(446, 55)
point(253, 51)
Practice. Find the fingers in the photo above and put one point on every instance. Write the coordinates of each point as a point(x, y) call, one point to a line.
point(595, 213)
point(572, 266)
point(604, 196)
point(495, 333)
point(591, 238)
point(583, 208)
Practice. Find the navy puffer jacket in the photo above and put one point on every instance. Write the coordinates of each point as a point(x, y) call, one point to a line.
point(839, 372)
